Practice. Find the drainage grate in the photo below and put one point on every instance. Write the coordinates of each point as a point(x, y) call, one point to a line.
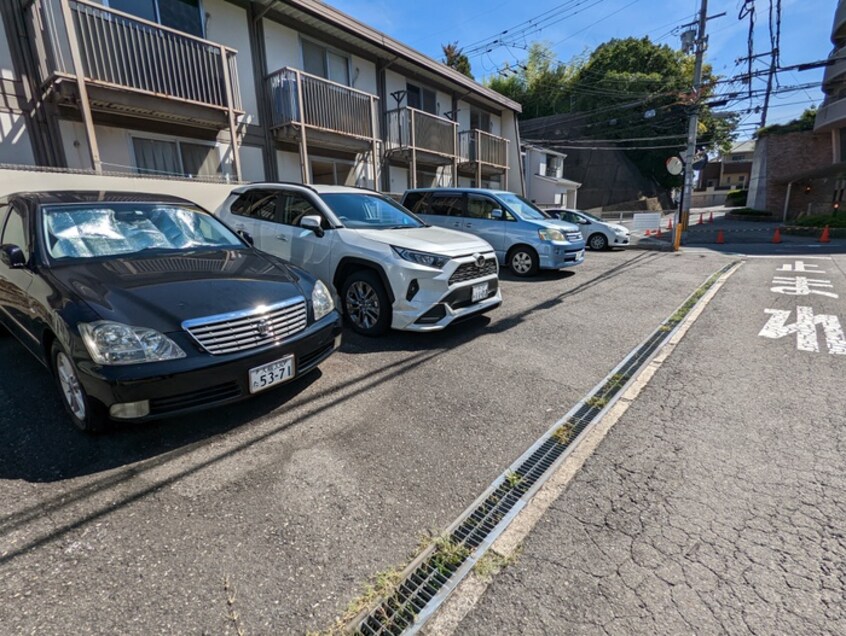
point(431, 574)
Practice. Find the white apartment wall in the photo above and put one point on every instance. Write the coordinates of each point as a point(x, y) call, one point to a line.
point(208, 195)
point(283, 49)
point(252, 163)
point(15, 144)
point(393, 82)
point(399, 179)
point(282, 45)
point(227, 24)
point(118, 155)
point(463, 116)
point(515, 174)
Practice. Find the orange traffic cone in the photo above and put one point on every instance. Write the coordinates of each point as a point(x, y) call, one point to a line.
point(777, 235)
point(721, 238)
point(648, 233)
point(711, 218)
point(670, 224)
point(825, 238)
point(701, 222)
point(657, 232)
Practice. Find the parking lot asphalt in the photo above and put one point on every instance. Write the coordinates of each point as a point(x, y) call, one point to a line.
point(716, 504)
point(277, 510)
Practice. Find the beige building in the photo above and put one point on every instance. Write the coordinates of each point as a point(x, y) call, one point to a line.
point(241, 90)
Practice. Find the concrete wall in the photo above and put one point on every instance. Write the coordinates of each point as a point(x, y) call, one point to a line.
point(227, 24)
point(208, 195)
point(15, 144)
point(778, 158)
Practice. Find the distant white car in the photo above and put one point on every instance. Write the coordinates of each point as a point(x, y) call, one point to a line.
point(390, 268)
point(599, 234)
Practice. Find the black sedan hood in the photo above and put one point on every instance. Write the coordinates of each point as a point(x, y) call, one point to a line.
point(162, 291)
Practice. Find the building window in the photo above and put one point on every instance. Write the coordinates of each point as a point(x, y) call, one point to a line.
point(333, 172)
point(421, 98)
point(182, 15)
point(480, 120)
point(843, 144)
point(737, 157)
point(319, 60)
point(176, 158)
point(554, 167)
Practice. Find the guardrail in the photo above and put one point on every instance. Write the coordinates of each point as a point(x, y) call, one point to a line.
point(478, 145)
point(413, 129)
point(297, 97)
point(120, 50)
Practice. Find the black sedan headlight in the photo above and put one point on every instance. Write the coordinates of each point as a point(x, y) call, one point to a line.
point(113, 343)
point(321, 300)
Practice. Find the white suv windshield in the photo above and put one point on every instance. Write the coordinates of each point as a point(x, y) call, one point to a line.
point(359, 211)
point(121, 229)
point(522, 207)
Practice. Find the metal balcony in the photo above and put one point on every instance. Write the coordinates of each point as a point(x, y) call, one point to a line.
point(835, 74)
point(327, 113)
point(838, 31)
point(415, 136)
point(133, 66)
point(482, 153)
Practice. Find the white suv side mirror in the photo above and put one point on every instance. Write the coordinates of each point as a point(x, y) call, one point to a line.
point(314, 223)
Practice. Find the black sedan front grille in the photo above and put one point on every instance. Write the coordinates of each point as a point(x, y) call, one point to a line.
point(192, 399)
point(471, 271)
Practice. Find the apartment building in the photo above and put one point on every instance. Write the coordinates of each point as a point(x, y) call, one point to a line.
point(545, 182)
point(831, 117)
point(242, 90)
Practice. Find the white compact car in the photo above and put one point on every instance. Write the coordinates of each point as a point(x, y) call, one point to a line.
point(389, 268)
point(599, 234)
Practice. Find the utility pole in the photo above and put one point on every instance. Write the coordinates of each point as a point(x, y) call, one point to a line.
point(693, 127)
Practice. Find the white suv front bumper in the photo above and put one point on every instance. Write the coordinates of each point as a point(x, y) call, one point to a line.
point(429, 300)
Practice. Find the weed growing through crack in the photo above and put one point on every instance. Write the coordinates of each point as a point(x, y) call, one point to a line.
point(448, 555)
point(492, 564)
point(596, 402)
point(564, 434)
point(231, 613)
point(513, 479)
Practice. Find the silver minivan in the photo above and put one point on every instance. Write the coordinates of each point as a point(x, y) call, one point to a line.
point(523, 237)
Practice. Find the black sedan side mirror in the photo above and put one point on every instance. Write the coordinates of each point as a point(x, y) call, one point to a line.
point(247, 237)
point(12, 256)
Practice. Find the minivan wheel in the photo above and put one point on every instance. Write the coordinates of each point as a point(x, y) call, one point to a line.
point(523, 261)
point(87, 415)
point(598, 242)
point(366, 303)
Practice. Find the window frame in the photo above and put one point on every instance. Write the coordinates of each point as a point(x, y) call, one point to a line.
point(201, 10)
point(178, 141)
point(326, 50)
point(450, 195)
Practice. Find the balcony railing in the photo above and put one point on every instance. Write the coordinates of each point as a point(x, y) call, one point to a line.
point(412, 129)
point(480, 146)
point(297, 98)
point(831, 115)
point(117, 50)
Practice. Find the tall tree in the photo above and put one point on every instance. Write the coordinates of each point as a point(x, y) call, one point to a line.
point(626, 89)
point(454, 57)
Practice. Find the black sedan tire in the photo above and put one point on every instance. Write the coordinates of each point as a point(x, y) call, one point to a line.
point(598, 242)
point(367, 306)
point(88, 415)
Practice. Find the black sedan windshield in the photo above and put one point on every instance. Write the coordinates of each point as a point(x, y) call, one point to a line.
point(359, 211)
point(121, 229)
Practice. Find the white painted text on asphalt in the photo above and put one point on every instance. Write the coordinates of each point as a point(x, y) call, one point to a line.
point(802, 286)
point(805, 329)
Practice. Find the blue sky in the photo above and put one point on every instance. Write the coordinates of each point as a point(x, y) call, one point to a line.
point(806, 28)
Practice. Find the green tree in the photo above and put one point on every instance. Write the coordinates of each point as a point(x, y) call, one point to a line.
point(626, 89)
point(804, 122)
point(454, 57)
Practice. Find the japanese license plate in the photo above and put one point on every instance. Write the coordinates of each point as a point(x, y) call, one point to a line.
point(271, 374)
point(480, 292)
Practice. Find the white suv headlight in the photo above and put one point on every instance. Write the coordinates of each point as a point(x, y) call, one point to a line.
point(321, 300)
point(422, 258)
point(113, 343)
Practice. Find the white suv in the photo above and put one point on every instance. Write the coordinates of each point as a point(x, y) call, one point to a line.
point(390, 268)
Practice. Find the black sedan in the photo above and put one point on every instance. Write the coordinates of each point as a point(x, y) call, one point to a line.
point(146, 306)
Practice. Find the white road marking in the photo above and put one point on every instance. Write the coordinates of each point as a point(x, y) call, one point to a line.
point(805, 329)
point(802, 286)
point(802, 266)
